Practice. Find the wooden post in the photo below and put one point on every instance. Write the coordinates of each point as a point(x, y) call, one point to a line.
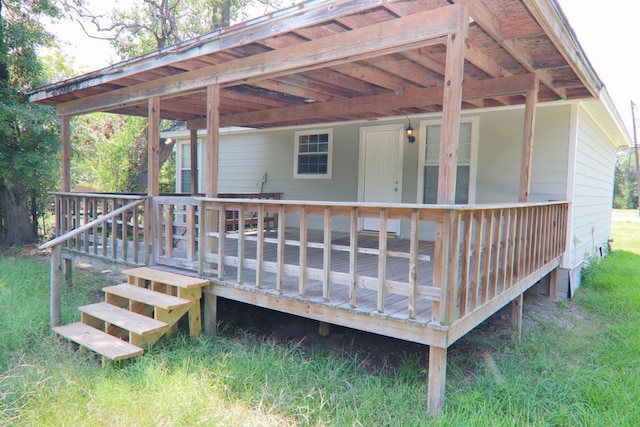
point(66, 153)
point(210, 320)
point(437, 378)
point(194, 161)
point(68, 272)
point(213, 139)
point(211, 190)
point(553, 284)
point(153, 175)
point(324, 329)
point(153, 152)
point(525, 187)
point(516, 317)
point(452, 105)
point(448, 164)
point(56, 273)
point(527, 142)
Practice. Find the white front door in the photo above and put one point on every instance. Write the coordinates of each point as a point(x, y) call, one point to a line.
point(380, 177)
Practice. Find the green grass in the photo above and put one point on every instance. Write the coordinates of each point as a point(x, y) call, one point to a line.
point(584, 370)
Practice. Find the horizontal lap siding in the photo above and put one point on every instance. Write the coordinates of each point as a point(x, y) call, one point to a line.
point(500, 155)
point(593, 190)
point(244, 157)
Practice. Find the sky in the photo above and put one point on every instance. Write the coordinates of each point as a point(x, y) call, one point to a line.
point(609, 35)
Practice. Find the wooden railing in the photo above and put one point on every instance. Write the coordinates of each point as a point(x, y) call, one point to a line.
point(119, 238)
point(176, 231)
point(457, 259)
point(480, 251)
point(81, 232)
point(486, 251)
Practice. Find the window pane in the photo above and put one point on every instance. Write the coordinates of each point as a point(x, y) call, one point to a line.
point(462, 185)
point(430, 195)
point(313, 163)
point(185, 180)
point(185, 156)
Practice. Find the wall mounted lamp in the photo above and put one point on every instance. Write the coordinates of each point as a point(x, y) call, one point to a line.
point(409, 130)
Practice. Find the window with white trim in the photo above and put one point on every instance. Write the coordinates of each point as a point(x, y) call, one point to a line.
point(430, 157)
point(313, 152)
point(183, 167)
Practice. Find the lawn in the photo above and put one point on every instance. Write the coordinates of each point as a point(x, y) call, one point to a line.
point(578, 364)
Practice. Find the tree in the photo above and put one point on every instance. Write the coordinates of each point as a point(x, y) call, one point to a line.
point(142, 27)
point(28, 133)
point(625, 192)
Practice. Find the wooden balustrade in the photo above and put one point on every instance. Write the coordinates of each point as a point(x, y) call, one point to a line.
point(493, 248)
point(120, 238)
point(449, 263)
point(479, 252)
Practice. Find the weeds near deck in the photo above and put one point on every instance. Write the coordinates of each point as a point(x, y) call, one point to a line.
point(577, 364)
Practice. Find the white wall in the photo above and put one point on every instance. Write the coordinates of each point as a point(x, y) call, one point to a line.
point(592, 190)
point(500, 153)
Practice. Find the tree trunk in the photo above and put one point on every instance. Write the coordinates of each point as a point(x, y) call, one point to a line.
point(165, 152)
point(15, 202)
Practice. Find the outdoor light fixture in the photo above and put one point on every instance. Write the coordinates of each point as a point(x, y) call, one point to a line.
point(409, 130)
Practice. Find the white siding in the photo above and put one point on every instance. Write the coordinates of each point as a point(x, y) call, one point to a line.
point(246, 156)
point(500, 155)
point(593, 190)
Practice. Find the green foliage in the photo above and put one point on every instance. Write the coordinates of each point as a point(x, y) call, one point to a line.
point(107, 152)
point(625, 192)
point(29, 133)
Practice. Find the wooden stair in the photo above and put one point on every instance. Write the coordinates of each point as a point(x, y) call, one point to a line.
point(137, 314)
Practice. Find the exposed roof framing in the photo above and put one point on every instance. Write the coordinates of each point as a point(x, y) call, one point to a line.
point(344, 60)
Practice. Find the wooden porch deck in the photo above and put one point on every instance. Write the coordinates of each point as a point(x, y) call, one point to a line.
point(365, 301)
point(413, 288)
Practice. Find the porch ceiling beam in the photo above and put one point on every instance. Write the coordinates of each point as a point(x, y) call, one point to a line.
point(226, 38)
point(367, 42)
point(483, 16)
point(491, 88)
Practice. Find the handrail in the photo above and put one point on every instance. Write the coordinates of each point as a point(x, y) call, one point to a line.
point(61, 239)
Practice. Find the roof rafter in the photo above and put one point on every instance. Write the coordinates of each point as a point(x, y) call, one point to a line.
point(368, 42)
point(411, 97)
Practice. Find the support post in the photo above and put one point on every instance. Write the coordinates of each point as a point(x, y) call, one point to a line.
point(153, 152)
point(210, 318)
point(516, 317)
point(66, 153)
point(447, 170)
point(451, 108)
point(68, 272)
point(56, 275)
point(213, 139)
point(212, 146)
point(437, 378)
point(324, 329)
point(525, 187)
point(527, 141)
point(194, 161)
point(553, 284)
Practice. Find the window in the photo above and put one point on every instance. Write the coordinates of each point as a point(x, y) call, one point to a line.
point(313, 154)
point(183, 167)
point(429, 162)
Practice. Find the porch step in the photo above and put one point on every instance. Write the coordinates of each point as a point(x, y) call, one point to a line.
point(125, 319)
point(166, 278)
point(147, 296)
point(98, 341)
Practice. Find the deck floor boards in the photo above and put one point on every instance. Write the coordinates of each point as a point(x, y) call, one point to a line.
point(396, 306)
